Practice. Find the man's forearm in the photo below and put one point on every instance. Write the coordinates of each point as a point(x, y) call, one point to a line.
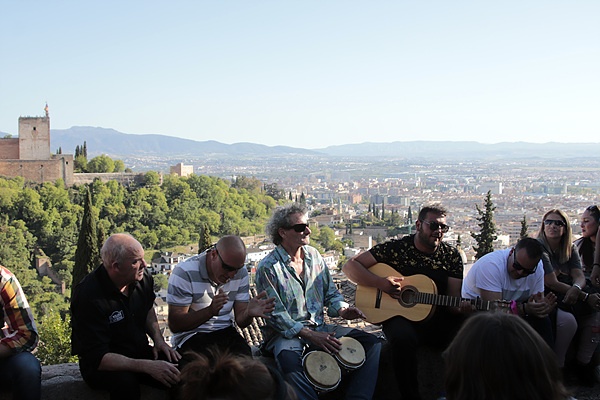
point(189, 320)
point(118, 362)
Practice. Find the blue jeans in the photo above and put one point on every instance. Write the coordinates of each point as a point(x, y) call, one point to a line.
point(22, 373)
point(361, 385)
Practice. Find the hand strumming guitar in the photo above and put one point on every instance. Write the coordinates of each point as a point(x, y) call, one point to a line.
point(392, 286)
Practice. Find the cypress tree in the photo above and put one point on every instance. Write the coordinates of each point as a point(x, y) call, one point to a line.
point(524, 228)
point(205, 241)
point(85, 149)
point(487, 232)
point(87, 254)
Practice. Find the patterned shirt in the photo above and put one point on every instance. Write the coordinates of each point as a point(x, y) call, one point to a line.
point(19, 332)
point(299, 302)
point(189, 285)
point(404, 257)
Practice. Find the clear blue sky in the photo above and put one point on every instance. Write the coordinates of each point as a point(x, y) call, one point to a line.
point(307, 73)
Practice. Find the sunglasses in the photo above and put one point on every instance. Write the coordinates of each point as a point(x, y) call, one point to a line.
point(556, 222)
point(226, 266)
point(519, 267)
point(434, 226)
point(298, 227)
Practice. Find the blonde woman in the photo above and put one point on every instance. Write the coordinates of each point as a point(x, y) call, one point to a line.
point(575, 306)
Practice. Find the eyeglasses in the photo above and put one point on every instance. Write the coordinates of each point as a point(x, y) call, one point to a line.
point(434, 226)
point(519, 267)
point(556, 222)
point(298, 227)
point(225, 266)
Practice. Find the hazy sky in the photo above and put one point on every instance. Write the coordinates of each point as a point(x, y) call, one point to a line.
point(307, 73)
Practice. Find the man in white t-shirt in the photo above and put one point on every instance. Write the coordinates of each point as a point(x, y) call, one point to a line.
point(206, 293)
point(516, 275)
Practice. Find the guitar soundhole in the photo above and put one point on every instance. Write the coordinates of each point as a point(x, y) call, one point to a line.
point(407, 296)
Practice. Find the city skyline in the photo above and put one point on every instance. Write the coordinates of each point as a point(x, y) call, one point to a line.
point(307, 74)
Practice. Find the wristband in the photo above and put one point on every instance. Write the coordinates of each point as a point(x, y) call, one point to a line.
point(594, 264)
point(513, 307)
point(577, 286)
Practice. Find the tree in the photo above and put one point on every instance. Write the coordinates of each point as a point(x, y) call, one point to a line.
point(80, 163)
point(205, 240)
point(55, 339)
point(87, 255)
point(487, 228)
point(160, 282)
point(524, 227)
point(383, 208)
point(101, 164)
point(119, 166)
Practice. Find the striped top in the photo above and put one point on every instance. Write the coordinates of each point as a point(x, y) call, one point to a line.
point(19, 332)
point(189, 285)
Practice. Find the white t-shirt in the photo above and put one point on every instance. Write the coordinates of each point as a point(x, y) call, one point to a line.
point(490, 273)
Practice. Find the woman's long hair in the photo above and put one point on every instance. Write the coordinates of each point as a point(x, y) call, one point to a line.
point(566, 240)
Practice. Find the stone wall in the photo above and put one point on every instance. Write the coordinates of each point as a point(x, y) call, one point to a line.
point(60, 167)
point(9, 149)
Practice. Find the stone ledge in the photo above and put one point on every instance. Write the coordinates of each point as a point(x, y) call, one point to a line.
point(64, 382)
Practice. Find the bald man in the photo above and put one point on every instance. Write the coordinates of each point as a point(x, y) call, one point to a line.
point(112, 311)
point(206, 292)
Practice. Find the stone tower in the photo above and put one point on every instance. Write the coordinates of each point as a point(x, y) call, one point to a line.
point(34, 137)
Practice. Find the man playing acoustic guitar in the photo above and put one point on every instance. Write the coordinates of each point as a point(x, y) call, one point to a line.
point(421, 253)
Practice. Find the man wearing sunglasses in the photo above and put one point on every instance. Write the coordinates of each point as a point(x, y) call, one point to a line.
point(206, 293)
point(421, 253)
point(515, 275)
point(297, 276)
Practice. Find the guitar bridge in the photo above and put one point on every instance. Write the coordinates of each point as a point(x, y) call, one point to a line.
point(378, 298)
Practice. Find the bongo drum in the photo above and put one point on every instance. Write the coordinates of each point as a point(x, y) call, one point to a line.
point(352, 354)
point(321, 370)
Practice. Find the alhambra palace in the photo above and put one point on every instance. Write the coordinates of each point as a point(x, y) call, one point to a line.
point(29, 155)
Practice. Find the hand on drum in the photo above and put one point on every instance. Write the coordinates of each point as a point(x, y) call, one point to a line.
point(326, 341)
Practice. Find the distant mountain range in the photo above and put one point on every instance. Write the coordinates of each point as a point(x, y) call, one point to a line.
point(118, 144)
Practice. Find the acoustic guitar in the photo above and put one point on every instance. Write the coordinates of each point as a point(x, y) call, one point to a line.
point(417, 300)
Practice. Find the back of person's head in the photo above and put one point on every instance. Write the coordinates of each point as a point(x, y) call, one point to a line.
point(498, 356)
point(223, 376)
point(533, 247)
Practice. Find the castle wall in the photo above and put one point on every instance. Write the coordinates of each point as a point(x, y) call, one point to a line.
point(40, 171)
point(9, 149)
point(34, 138)
point(125, 178)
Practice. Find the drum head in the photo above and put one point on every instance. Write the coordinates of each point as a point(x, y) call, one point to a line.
point(352, 354)
point(322, 370)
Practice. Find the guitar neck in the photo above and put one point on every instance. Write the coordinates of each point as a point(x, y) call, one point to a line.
point(450, 301)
